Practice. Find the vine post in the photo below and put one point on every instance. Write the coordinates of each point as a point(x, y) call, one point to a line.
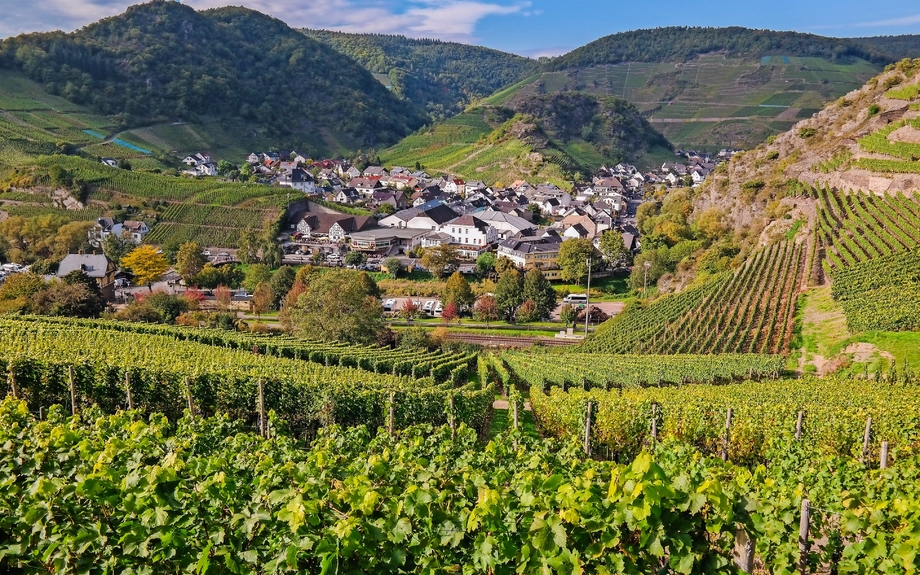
point(73, 390)
point(261, 408)
point(744, 551)
point(588, 431)
point(451, 418)
point(12, 379)
point(655, 422)
point(727, 438)
point(804, 544)
point(188, 397)
point(128, 391)
point(866, 436)
point(883, 460)
point(391, 423)
point(798, 425)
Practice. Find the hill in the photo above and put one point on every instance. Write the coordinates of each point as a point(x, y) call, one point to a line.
point(554, 137)
point(163, 62)
point(709, 88)
point(826, 215)
point(441, 77)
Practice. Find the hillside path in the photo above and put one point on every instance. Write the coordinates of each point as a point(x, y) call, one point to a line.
point(468, 158)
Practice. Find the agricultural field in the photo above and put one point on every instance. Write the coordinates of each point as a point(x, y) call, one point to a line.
point(693, 103)
point(749, 311)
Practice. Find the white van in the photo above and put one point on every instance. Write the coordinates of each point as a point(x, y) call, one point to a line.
point(576, 298)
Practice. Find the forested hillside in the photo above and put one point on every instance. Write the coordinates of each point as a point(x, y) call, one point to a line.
point(441, 77)
point(163, 61)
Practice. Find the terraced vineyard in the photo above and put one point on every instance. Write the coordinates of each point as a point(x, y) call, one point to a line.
point(595, 370)
point(163, 372)
point(855, 227)
point(749, 312)
point(881, 294)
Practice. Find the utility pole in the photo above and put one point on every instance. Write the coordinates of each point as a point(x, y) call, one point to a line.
point(646, 265)
point(588, 298)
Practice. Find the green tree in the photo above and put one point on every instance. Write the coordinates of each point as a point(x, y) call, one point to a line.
point(189, 261)
point(281, 283)
point(504, 264)
point(355, 258)
point(573, 259)
point(528, 312)
point(168, 306)
point(458, 291)
point(438, 258)
point(392, 265)
point(247, 251)
point(224, 167)
point(147, 265)
point(272, 254)
point(568, 314)
point(338, 306)
point(509, 293)
point(485, 263)
point(386, 209)
point(116, 247)
point(540, 292)
point(612, 247)
point(255, 275)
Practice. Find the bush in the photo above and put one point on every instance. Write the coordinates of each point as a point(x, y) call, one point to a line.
point(874, 109)
point(806, 133)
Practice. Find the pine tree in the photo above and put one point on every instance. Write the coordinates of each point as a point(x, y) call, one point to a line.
point(538, 290)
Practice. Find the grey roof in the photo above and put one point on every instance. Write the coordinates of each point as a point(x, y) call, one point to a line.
point(95, 266)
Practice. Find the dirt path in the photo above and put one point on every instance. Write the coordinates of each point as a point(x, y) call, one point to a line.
point(468, 158)
point(503, 404)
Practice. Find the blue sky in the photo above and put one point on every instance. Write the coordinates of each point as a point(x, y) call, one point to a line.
point(528, 27)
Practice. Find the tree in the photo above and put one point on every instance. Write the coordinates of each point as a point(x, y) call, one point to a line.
point(355, 258)
point(336, 305)
point(486, 309)
point(509, 293)
point(147, 265)
point(485, 263)
point(168, 306)
point(272, 254)
point(386, 209)
point(189, 261)
point(95, 301)
point(248, 247)
point(450, 312)
point(281, 283)
point(528, 312)
point(540, 293)
point(568, 314)
point(711, 224)
point(409, 309)
point(224, 297)
point(116, 247)
point(504, 264)
point(393, 266)
point(573, 259)
point(612, 247)
point(70, 238)
point(255, 275)
point(262, 299)
point(224, 167)
point(457, 290)
point(438, 258)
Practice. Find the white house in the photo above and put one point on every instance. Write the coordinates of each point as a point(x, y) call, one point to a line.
point(299, 179)
point(425, 217)
point(196, 159)
point(505, 225)
point(471, 235)
point(136, 229)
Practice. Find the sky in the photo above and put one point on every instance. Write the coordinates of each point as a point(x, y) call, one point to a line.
point(528, 27)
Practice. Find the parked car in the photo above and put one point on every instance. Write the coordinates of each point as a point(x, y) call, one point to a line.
point(206, 253)
point(438, 310)
point(388, 304)
point(428, 308)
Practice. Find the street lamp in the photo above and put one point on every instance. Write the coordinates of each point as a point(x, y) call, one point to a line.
point(588, 298)
point(646, 265)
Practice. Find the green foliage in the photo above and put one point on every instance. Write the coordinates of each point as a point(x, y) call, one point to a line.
point(540, 293)
point(573, 259)
point(509, 293)
point(881, 294)
point(440, 77)
point(458, 291)
point(281, 283)
point(439, 259)
point(256, 274)
point(111, 66)
point(750, 312)
point(339, 305)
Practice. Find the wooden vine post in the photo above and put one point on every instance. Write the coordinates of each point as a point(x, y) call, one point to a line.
point(727, 438)
point(451, 419)
point(262, 422)
point(798, 425)
point(804, 544)
point(866, 436)
point(588, 431)
point(128, 391)
point(73, 391)
point(883, 460)
point(744, 551)
point(655, 422)
point(515, 411)
point(391, 423)
point(12, 379)
point(188, 397)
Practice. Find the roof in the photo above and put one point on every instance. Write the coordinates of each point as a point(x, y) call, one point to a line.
point(493, 217)
point(524, 248)
point(133, 225)
point(322, 223)
point(95, 266)
point(440, 213)
point(470, 221)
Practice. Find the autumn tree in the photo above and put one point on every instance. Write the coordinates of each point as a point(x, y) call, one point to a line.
point(262, 299)
point(337, 305)
point(438, 258)
point(147, 265)
point(450, 312)
point(409, 309)
point(486, 309)
point(189, 261)
point(528, 312)
point(458, 291)
point(504, 264)
point(224, 297)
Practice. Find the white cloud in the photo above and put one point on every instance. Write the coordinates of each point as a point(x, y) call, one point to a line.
point(454, 20)
point(902, 21)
